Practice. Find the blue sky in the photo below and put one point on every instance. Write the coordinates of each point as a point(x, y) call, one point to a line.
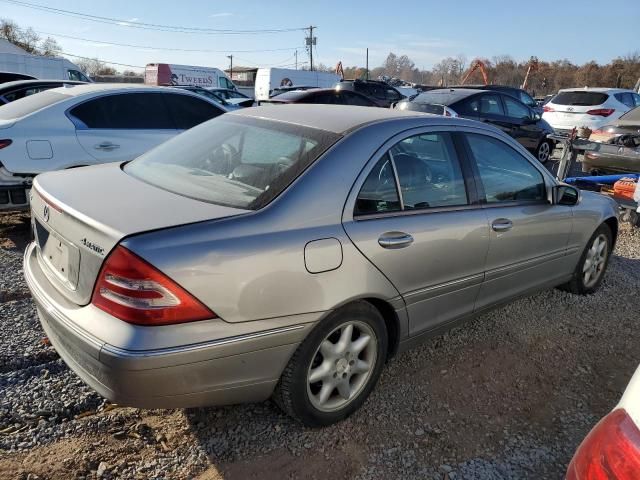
point(425, 31)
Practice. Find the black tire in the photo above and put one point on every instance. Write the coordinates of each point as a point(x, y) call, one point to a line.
point(292, 393)
point(577, 284)
point(544, 151)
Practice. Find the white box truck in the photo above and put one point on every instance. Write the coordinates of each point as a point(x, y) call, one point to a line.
point(167, 74)
point(37, 66)
point(269, 78)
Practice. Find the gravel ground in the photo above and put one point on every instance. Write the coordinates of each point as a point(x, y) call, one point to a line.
point(508, 395)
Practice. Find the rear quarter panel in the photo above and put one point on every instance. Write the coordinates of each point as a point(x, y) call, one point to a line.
point(588, 215)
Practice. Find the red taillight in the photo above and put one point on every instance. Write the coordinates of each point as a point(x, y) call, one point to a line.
point(5, 143)
point(547, 109)
point(601, 112)
point(134, 291)
point(611, 451)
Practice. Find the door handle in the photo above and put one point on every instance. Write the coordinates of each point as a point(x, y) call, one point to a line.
point(395, 240)
point(501, 225)
point(108, 146)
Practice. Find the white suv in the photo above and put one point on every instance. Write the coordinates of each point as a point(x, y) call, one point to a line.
point(87, 124)
point(588, 107)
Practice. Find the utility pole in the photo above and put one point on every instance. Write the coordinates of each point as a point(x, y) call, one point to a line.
point(296, 54)
point(230, 57)
point(311, 42)
point(367, 63)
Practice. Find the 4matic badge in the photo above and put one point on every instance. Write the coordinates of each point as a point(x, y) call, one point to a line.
point(92, 246)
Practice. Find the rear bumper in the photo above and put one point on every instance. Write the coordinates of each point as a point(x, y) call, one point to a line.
point(14, 191)
point(233, 369)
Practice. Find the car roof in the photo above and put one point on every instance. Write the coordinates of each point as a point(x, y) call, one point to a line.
point(26, 83)
point(89, 88)
point(594, 89)
point(446, 96)
point(338, 119)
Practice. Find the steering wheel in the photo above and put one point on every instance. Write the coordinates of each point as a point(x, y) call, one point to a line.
point(222, 160)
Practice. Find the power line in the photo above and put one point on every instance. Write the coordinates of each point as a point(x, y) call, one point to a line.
point(101, 60)
point(147, 26)
point(149, 47)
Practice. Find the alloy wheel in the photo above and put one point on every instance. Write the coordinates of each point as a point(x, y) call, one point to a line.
point(342, 366)
point(595, 261)
point(544, 152)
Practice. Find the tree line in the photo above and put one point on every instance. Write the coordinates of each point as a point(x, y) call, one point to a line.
point(550, 76)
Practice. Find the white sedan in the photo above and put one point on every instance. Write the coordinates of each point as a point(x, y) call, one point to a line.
point(88, 124)
point(611, 450)
point(588, 107)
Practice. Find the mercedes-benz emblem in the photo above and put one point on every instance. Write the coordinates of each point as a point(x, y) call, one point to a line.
point(45, 213)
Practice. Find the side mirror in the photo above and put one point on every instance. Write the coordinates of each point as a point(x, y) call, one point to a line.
point(566, 195)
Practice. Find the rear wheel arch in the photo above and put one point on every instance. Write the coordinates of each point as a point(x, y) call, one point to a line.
point(612, 223)
point(391, 321)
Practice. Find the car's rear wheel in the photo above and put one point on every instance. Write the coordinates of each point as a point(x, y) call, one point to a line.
point(544, 150)
point(593, 263)
point(336, 367)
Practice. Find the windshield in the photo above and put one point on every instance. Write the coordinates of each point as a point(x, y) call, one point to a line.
point(237, 161)
point(30, 104)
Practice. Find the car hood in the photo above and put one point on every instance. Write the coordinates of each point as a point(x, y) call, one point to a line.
point(91, 209)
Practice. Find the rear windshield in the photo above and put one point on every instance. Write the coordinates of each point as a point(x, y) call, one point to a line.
point(236, 161)
point(422, 107)
point(633, 115)
point(580, 99)
point(30, 104)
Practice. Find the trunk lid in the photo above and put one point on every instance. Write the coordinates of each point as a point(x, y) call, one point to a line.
point(79, 216)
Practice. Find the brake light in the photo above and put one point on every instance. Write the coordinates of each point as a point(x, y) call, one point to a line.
point(5, 143)
point(601, 112)
point(133, 290)
point(611, 451)
point(547, 109)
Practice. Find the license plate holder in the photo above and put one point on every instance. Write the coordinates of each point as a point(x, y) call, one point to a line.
point(60, 256)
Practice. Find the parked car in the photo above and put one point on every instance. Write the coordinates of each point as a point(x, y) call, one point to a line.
point(517, 93)
point(627, 124)
point(268, 252)
point(269, 79)
point(13, 76)
point(384, 95)
point(278, 90)
point(502, 110)
point(330, 96)
point(233, 97)
point(588, 107)
point(611, 450)
point(16, 90)
point(205, 92)
point(87, 124)
point(620, 156)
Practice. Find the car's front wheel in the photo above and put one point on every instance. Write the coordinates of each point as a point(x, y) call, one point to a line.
point(593, 264)
point(544, 150)
point(336, 367)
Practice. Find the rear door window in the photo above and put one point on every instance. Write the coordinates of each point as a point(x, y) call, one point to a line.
point(490, 105)
point(130, 111)
point(350, 98)
point(580, 98)
point(515, 109)
point(188, 111)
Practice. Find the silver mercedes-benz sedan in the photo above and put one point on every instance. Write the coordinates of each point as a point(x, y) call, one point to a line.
point(289, 251)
